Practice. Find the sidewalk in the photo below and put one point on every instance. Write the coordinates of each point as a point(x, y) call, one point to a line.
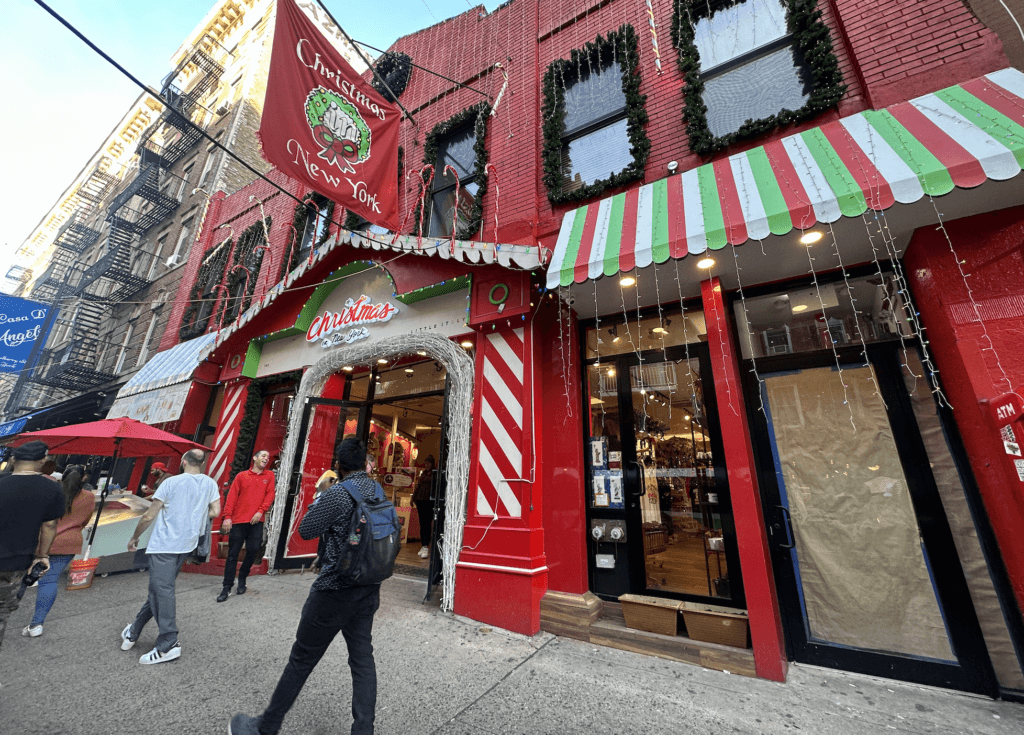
point(437, 674)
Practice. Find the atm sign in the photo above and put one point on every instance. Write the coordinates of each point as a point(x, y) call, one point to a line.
point(1006, 409)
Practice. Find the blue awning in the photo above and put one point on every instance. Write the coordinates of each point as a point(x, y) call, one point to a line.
point(14, 426)
point(169, 367)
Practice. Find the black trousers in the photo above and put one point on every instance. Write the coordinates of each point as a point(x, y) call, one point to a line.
point(326, 613)
point(425, 510)
point(251, 534)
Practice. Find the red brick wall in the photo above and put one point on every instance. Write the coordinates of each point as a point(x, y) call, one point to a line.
point(991, 247)
point(907, 48)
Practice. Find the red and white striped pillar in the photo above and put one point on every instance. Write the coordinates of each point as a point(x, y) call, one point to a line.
point(502, 572)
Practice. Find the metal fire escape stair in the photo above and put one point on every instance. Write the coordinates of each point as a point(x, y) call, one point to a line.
point(116, 277)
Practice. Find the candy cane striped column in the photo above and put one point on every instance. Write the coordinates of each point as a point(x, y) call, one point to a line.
point(227, 430)
point(501, 424)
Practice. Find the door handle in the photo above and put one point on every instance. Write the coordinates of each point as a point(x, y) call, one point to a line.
point(639, 480)
point(789, 528)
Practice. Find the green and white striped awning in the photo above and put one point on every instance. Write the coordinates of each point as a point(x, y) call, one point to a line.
point(960, 136)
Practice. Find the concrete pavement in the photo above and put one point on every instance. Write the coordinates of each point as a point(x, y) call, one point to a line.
point(438, 674)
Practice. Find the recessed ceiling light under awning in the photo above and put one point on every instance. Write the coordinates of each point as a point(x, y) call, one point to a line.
point(958, 137)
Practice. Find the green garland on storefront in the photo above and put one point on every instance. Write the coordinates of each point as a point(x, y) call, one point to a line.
point(290, 260)
point(395, 69)
point(250, 238)
point(620, 45)
point(250, 422)
point(478, 114)
point(191, 325)
point(811, 37)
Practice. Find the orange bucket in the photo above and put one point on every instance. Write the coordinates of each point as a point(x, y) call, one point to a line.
point(81, 573)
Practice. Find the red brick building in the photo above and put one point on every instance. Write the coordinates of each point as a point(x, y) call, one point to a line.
point(782, 244)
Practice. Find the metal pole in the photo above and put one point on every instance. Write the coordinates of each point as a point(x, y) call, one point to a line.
point(367, 62)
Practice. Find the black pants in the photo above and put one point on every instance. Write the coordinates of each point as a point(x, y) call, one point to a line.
point(425, 510)
point(252, 535)
point(325, 614)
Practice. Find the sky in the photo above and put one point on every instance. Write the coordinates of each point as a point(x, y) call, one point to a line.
point(59, 99)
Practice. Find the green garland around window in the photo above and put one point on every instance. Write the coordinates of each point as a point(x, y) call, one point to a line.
point(478, 114)
point(250, 238)
point(251, 418)
point(620, 45)
point(812, 39)
point(191, 325)
point(290, 259)
point(395, 69)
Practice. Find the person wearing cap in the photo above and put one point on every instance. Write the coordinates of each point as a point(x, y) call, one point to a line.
point(249, 498)
point(159, 472)
point(30, 507)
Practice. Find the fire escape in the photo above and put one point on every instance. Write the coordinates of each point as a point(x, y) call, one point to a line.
point(119, 274)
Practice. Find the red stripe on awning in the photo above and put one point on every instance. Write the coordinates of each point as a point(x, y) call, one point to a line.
point(582, 271)
point(627, 250)
point(964, 169)
point(997, 98)
point(732, 211)
point(876, 189)
point(676, 218)
point(797, 202)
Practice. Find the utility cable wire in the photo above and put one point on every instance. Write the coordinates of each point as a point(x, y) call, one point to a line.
point(423, 68)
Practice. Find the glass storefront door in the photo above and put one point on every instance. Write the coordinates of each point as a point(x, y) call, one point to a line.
point(659, 510)
point(866, 566)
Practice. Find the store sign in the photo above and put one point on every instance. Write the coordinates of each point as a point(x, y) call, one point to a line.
point(21, 323)
point(327, 327)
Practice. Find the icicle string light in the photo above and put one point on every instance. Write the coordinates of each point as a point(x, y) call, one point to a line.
point(831, 339)
point(751, 337)
point(974, 304)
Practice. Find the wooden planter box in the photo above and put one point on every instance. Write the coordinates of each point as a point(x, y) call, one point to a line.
point(653, 614)
point(714, 624)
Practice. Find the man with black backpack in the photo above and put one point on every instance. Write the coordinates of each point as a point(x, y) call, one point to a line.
point(361, 533)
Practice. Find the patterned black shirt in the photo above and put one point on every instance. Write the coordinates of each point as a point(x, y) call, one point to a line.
point(329, 517)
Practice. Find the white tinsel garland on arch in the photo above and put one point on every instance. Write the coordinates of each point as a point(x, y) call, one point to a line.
point(459, 420)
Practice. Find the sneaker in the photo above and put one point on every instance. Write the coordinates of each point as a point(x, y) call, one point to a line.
point(224, 594)
point(32, 631)
point(126, 642)
point(157, 657)
point(244, 725)
point(241, 587)
point(424, 552)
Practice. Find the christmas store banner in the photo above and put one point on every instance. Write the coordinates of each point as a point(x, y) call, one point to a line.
point(325, 126)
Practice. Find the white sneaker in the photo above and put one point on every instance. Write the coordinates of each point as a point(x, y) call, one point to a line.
point(32, 631)
point(424, 552)
point(126, 642)
point(156, 657)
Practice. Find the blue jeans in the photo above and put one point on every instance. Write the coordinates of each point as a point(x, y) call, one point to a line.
point(47, 592)
point(349, 612)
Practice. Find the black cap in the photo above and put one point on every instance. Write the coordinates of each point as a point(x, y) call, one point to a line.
point(32, 451)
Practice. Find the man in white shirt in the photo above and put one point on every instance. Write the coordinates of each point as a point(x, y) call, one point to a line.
point(182, 507)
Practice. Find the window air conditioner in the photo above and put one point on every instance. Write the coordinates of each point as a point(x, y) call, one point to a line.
point(173, 260)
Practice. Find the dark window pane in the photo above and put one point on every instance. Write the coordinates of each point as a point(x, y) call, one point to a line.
point(597, 94)
point(765, 86)
point(596, 156)
point(733, 31)
point(456, 150)
point(444, 207)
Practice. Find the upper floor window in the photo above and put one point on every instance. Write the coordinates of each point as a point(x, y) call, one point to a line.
point(750, 66)
point(455, 150)
point(317, 222)
point(459, 142)
point(594, 117)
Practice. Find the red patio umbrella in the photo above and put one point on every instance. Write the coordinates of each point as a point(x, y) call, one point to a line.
point(115, 438)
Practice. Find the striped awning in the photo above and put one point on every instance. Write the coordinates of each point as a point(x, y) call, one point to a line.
point(960, 136)
point(170, 367)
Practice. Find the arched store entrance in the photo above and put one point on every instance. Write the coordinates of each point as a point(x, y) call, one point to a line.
point(355, 414)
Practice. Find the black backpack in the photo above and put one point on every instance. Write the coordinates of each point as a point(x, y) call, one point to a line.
point(374, 540)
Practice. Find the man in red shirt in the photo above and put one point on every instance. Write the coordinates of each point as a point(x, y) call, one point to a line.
point(249, 498)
